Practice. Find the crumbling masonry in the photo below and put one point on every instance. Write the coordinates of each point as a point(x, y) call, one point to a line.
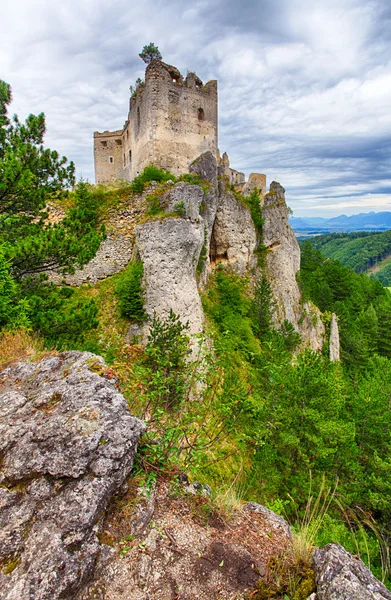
point(171, 122)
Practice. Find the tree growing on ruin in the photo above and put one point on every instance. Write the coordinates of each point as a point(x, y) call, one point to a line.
point(150, 52)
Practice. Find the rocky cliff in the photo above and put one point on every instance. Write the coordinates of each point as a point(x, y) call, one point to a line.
point(282, 263)
point(214, 226)
point(67, 443)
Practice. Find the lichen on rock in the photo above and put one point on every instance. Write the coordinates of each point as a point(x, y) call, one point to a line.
point(67, 443)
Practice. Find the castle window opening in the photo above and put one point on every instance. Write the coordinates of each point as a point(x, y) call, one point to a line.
point(118, 142)
point(104, 144)
point(127, 134)
point(111, 159)
point(138, 117)
point(130, 156)
point(201, 114)
point(124, 159)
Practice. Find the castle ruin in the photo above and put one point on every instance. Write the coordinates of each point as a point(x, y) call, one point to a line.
point(171, 122)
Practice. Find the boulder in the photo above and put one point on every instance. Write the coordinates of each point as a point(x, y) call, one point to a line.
point(67, 443)
point(341, 576)
point(271, 518)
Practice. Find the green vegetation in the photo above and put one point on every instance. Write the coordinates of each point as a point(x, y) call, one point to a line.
point(149, 174)
point(361, 251)
point(32, 246)
point(130, 293)
point(362, 305)
point(149, 53)
point(287, 422)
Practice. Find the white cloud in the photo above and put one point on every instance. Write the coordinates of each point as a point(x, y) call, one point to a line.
point(304, 87)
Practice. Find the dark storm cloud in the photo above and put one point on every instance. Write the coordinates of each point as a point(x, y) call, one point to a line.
point(304, 87)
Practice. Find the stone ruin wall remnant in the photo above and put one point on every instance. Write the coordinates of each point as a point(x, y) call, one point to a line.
point(171, 122)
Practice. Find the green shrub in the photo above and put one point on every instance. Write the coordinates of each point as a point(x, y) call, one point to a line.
point(180, 209)
point(130, 293)
point(149, 174)
point(153, 203)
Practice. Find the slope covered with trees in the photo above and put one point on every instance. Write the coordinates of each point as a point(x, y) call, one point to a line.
point(361, 251)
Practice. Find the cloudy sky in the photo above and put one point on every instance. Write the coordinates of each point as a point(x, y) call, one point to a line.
point(304, 85)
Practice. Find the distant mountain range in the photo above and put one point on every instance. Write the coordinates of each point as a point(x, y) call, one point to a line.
point(362, 222)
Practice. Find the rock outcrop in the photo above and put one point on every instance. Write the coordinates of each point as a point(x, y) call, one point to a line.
point(170, 250)
point(341, 576)
point(334, 345)
point(181, 549)
point(282, 265)
point(234, 237)
point(206, 167)
point(283, 255)
point(67, 443)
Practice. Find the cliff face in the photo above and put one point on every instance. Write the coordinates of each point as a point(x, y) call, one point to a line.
point(282, 265)
point(180, 252)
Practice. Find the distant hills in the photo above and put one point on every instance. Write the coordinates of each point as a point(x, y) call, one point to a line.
point(365, 251)
point(371, 221)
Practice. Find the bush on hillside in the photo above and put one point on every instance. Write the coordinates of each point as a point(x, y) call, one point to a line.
point(130, 292)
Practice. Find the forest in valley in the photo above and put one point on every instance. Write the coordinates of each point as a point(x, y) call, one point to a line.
point(364, 252)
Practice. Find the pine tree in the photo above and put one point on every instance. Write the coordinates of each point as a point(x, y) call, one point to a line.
point(149, 53)
point(31, 176)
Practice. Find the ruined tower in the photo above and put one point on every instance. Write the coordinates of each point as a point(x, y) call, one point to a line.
point(171, 121)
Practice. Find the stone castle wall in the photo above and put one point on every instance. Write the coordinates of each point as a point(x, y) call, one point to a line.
point(171, 122)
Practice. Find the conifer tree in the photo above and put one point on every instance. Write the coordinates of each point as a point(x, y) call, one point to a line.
point(31, 176)
point(150, 52)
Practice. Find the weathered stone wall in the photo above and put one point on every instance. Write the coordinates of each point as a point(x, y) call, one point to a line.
point(112, 257)
point(171, 122)
point(108, 156)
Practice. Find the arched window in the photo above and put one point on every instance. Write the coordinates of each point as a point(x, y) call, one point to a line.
point(201, 114)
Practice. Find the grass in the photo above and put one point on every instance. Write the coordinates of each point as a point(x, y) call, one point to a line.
point(20, 345)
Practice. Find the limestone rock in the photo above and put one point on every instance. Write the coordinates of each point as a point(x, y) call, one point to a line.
point(283, 256)
point(334, 346)
point(282, 264)
point(182, 554)
point(206, 167)
point(113, 255)
point(311, 326)
point(170, 250)
point(272, 519)
point(191, 196)
point(67, 442)
point(234, 237)
point(341, 576)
